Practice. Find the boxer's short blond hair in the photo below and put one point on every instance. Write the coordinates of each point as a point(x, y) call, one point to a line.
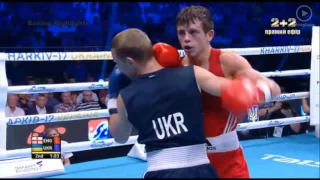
point(190, 14)
point(132, 43)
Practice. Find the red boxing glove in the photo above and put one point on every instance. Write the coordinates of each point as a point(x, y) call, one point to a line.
point(264, 91)
point(242, 93)
point(166, 55)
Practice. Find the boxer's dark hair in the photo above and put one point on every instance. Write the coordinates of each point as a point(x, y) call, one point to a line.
point(189, 14)
point(132, 43)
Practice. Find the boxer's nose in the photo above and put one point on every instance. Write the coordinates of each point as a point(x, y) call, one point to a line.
point(187, 38)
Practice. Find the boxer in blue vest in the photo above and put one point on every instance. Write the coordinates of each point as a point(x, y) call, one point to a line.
point(165, 106)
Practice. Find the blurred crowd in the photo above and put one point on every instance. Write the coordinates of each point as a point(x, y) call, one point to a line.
point(90, 26)
point(47, 103)
point(278, 110)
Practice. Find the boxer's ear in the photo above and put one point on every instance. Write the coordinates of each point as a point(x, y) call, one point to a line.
point(210, 35)
point(130, 60)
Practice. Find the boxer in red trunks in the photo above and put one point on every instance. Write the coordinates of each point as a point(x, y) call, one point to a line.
point(195, 32)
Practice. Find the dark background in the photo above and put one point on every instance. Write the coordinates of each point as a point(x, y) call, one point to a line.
point(237, 25)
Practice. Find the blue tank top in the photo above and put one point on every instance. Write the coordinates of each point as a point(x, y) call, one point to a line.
point(166, 108)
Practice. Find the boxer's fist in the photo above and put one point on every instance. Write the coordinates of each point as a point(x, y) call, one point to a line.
point(166, 55)
point(117, 81)
point(264, 91)
point(240, 95)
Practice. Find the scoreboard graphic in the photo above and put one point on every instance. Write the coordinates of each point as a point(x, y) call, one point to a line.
point(46, 148)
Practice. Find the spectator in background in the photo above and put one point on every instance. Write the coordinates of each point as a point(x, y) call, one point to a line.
point(77, 70)
point(103, 98)
point(267, 109)
point(52, 40)
point(74, 97)
point(96, 34)
point(72, 80)
point(52, 132)
point(264, 114)
point(37, 41)
point(15, 70)
point(90, 79)
point(52, 101)
point(286, 111)
point(24, 102)
point(50, 81)
point(306, 111)
point(11, 109)
point(67, 105)
point(32, 81)
point(68, 39)
point(305, 105)
point(88, 103)
point(94, 95)
point(80, 97)
point(40, 106)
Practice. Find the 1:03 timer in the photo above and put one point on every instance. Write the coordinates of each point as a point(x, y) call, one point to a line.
point(46, 156)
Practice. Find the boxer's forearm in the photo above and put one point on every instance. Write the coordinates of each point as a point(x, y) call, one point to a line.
point(208, 82)
point(120, 127)
point(239, 66)
point(114, 130)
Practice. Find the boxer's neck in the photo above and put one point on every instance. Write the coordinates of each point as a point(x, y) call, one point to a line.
point(202, 59)
point(149, 67)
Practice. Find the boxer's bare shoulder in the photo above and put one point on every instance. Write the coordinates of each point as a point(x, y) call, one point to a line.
point(232, 64)
point(185, 61)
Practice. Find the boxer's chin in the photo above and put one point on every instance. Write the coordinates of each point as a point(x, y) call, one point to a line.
point(190, 52)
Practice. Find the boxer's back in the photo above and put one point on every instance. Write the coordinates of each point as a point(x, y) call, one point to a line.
point(165, 107)
point(217, 120)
